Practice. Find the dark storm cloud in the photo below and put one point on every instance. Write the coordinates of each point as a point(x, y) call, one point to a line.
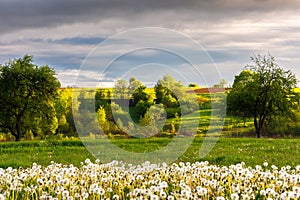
point(19, 14)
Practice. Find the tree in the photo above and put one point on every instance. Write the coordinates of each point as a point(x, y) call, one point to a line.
point(134, 84)
point(140, 94)
point(64, 113)
point(102, 98)
point(120, 89)
point(173, 96)
point(137, 90)
point(26, 90)
point(168, 91)
point(193, 85)
point(141, 108)
point(263, 91)
point(151, 120)
point(101, 117)
point(222, 84)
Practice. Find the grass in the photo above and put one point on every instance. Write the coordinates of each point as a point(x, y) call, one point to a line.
point(23, 154)
point(227, 151)
point(232, 127)
point(252, 151)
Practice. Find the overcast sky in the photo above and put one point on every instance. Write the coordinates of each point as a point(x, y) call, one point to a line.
point(63, 33)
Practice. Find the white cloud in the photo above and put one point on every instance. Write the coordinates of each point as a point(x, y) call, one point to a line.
point(81, 78)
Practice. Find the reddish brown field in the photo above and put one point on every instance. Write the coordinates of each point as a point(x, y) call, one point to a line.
point(207, 90)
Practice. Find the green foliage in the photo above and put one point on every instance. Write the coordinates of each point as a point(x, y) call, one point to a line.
point(151, 122)
point(119, 117)
point(204, 101)
point(27, 92)
point(102, 97)
point(193, 85)
point(173, 126)
point(134, 84)
point(120, 114)
point(141, 100)
point(168, 91)
point(63, 107)
point(145, 121)
point(263, 92)
point(9, 137)
point(142, 107)
point(44, 127)
point(289, 126)
point(29, 135)
point(86, 122)
point(156, 112)
point(135, 93)
point(140, 94)
point(172, 112)
point(188, 104)
point(101, 117)
point(120, 90)
point(173, 96)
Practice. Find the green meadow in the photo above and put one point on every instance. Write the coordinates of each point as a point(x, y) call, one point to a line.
point(227, 151)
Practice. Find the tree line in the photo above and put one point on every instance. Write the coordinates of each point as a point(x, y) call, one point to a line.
point(32, 104)
point(131, 105)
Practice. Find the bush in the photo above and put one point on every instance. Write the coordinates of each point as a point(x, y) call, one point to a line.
point(29, 135)
point(283, 126)
point(172, 112)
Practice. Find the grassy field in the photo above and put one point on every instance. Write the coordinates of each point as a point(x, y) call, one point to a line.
point(227, 151)
point(232, 127)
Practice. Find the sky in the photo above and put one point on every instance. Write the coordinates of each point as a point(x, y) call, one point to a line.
point(96, 42)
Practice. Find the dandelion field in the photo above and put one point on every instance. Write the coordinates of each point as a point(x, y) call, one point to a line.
point(236, 168)
point(115, 180)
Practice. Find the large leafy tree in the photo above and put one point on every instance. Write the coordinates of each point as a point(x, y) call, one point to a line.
point(172, 94)
point(133, 85)
point(168, 91)
point(120, 90)
point(27, 92)
point(137, 90)
point(64, 114)
point(262, 92)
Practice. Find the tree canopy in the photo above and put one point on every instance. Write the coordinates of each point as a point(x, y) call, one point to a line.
point(168, 90)
point(120, 89)
point(27, 94)
point(262, 91)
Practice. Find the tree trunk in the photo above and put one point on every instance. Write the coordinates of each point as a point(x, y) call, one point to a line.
point(258, 132)
point(19, 133)
point(257, 128)
point(18, 138)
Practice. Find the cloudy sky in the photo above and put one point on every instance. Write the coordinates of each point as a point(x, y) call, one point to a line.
point(98, 41)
